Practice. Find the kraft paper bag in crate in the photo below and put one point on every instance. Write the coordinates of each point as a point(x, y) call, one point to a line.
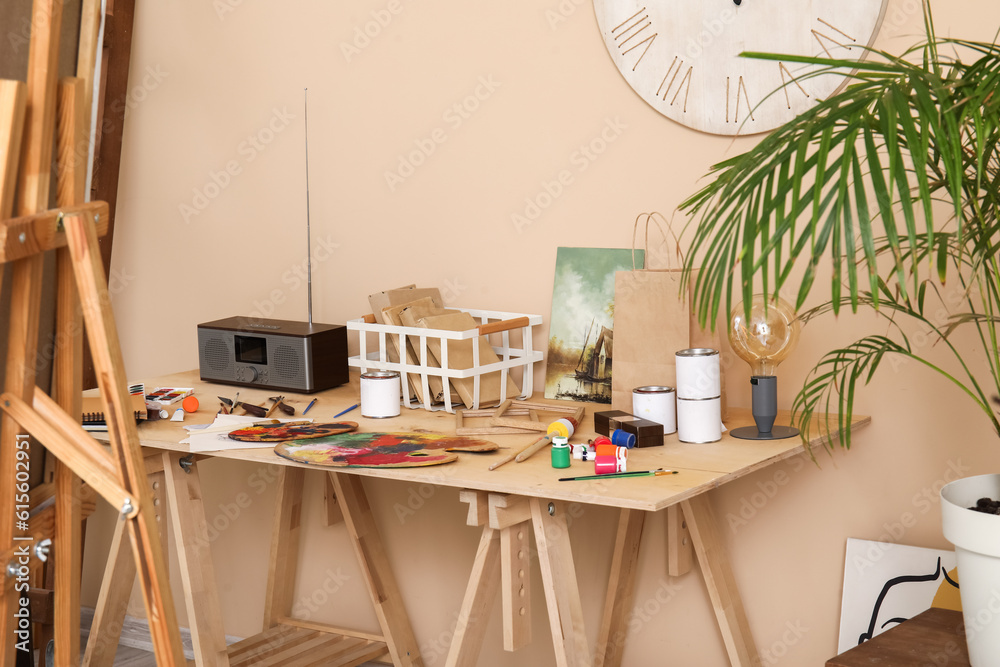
point(652, 322)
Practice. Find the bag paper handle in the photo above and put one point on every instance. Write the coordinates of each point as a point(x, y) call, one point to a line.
point(660, 222)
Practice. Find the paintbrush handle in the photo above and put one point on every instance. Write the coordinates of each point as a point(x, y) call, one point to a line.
point(503, 461)
point(533, 448)
point(518, 454)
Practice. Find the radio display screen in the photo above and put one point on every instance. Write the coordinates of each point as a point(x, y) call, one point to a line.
point(251, 350)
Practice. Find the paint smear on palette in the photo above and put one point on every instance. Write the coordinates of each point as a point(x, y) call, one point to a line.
point(290, 431)
point(375, 450)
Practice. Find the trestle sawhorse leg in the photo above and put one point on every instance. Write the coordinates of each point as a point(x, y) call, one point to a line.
point(507, 521)
point(180, 487)
point(691, 531)
point(284, 640)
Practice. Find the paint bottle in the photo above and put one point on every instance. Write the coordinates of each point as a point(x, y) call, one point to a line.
point(622, 438)
point(606, 464)
point(560, 452)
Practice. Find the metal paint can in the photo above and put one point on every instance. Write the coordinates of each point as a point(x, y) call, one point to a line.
point(657, 404)
point(698, 373)
point(699, 421)
point(380, 394)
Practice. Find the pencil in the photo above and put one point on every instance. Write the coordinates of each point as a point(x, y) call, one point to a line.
point(638, 473)
point(344, 412)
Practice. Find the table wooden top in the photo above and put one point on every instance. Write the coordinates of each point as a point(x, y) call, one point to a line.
point(701, 467)
point(934, 637)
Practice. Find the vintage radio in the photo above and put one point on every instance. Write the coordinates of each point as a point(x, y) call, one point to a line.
point(276, 354)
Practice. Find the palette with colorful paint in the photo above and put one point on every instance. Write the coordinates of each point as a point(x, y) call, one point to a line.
point(280, 432)
point(381, 450)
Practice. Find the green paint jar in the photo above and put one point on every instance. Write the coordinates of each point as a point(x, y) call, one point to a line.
point(560, 452)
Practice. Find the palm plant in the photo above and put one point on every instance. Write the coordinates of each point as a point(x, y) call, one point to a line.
point(893, 182)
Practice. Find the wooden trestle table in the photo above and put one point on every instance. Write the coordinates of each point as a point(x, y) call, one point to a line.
point(509, 504)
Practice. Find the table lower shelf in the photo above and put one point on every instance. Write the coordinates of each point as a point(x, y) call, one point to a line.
point(297, 646)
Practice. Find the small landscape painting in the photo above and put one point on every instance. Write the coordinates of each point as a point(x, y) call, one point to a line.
point(581, 338)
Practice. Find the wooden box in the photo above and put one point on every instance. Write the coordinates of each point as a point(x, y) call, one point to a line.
point(647, 433)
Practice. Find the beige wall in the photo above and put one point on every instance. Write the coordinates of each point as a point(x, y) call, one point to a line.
point(202, 82)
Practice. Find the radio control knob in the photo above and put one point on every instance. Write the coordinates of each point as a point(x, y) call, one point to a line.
point(251, 374)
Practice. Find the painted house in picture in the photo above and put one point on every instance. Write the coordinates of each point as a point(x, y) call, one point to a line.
point(581, 331)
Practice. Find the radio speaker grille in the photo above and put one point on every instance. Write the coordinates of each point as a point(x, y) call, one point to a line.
point(217, 355)
point(287, 362)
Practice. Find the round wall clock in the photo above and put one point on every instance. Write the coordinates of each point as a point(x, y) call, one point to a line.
point(682, 56)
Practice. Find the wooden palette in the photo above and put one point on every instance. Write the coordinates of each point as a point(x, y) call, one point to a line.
point(381, 450)
point(282, 432)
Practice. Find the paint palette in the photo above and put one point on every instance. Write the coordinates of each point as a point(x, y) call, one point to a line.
point(282, 432)
point(381, 450)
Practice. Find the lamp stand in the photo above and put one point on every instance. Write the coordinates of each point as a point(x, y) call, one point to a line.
point(764, 396)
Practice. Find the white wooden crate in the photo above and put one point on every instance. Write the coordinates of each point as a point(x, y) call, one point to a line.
point(491, 322)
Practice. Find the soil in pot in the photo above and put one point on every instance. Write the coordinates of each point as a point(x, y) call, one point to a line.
point(986, 506)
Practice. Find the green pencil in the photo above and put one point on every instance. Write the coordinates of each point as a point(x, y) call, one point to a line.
point(638, 473)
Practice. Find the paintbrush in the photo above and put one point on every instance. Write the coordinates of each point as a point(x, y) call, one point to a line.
point(639, 473)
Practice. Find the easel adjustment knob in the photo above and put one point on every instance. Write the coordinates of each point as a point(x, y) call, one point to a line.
point(42, 549)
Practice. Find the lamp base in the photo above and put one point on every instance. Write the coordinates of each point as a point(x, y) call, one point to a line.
point(777, 433)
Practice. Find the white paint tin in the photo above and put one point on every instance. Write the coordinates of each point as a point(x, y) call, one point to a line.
point(699, 421)
point(657, 404)
point(698, 373)
point(380, 394)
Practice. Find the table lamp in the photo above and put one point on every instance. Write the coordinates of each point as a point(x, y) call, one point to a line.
point(764, 340)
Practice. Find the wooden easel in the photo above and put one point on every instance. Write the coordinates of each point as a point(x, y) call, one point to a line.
point(28, 121)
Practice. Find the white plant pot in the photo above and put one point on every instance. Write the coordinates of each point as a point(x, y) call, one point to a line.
point(976, 537)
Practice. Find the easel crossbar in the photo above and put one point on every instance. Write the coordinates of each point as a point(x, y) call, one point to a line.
point(70, 444)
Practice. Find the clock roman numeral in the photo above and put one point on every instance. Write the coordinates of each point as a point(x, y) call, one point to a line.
point(783, 71)
point(740, 88)
point(627, 32)
point(676, 67)
point(821, 36)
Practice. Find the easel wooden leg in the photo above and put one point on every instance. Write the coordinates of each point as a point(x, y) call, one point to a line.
point(187, 514)
point(621, 582)
point(719, 580)
point(67, 563)
point(562, 591)
point(374, 564)
point(283, 562)
point(112, 602)
point(479, 596)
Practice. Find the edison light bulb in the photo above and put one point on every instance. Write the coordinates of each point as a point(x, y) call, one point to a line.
point(764, 340)
point(767, 337)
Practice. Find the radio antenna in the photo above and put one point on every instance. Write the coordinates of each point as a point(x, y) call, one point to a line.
point(309, 264)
